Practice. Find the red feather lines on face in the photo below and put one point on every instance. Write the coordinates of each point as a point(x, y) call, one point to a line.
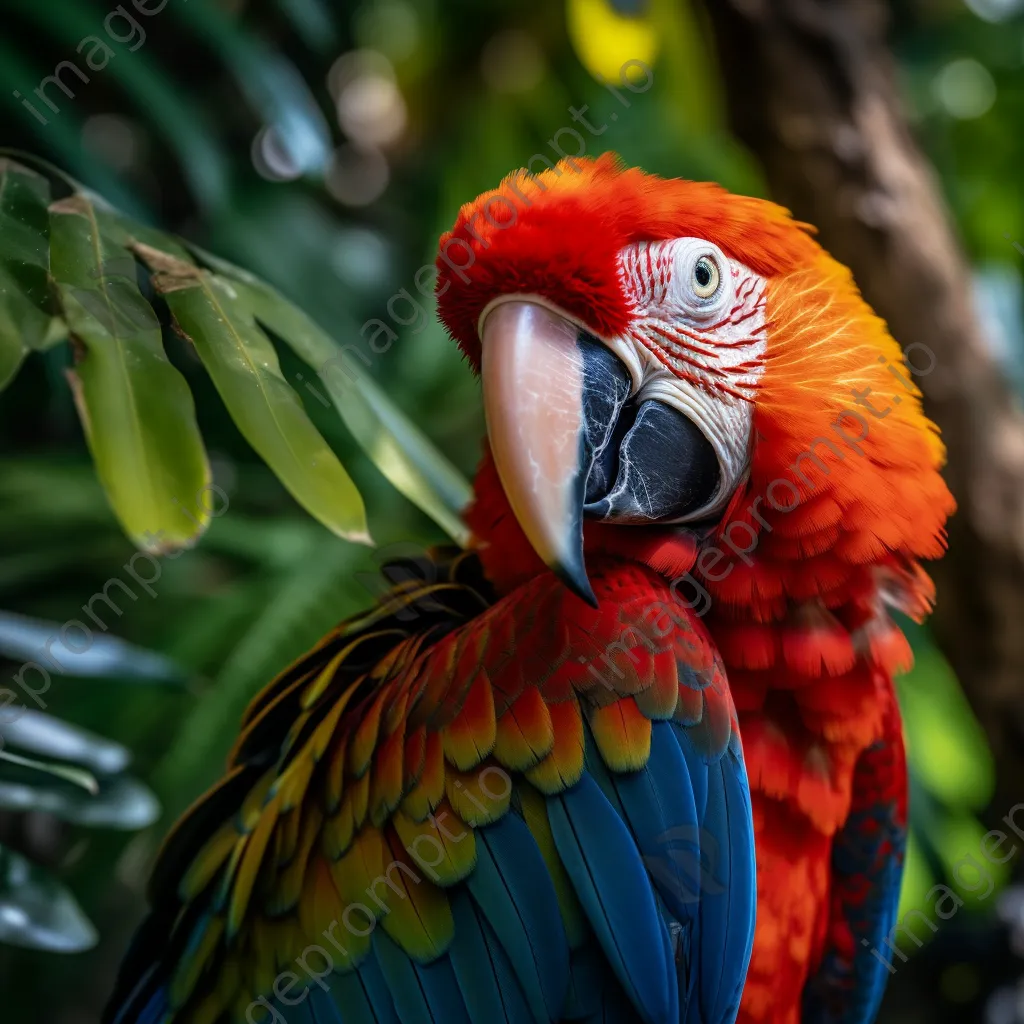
point(697, 354)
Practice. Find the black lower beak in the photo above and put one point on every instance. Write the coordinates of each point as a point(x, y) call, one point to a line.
point(657, 466)
point(568, 440)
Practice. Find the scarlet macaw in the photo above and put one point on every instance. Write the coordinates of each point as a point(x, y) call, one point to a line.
point(515, 791)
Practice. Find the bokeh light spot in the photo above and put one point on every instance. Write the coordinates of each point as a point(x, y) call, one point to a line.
point(965, 89)
point(272, 158)
point(356, 176)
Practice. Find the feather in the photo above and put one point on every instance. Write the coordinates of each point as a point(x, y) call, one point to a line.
point(525, 734)
point(622, 734)
point(419, 917)
point(658, 805)
point(512, 888)
point(470, 736)
point(613, 887)
point(564, 765)
point(362, 997)
point(489, 985)
point(728, 895)
point(421, 994)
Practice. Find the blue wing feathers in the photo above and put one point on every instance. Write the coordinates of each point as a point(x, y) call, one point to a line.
point(362, 995)
point(866, 871)
point(662, 863)
point(847, 992)
point(612, 884)
point(513, 889)
point(442, 991)
point(661, 860)
point(728, 895)
point(405, 986)
point(588, 975)
point(316, 1008)
point(659, 808)
point(323, 1008)
point(486, 977)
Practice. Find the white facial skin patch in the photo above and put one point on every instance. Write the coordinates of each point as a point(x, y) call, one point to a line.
point(697, 342)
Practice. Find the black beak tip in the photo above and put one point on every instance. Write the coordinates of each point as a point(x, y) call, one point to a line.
point(575, 578)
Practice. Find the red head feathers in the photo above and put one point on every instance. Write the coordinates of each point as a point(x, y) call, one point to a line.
point(841, 464)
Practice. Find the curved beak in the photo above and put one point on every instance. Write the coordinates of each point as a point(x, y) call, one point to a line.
point(568, 441)
point(549, 390)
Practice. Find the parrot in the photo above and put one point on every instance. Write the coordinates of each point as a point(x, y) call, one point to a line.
point(632, 754)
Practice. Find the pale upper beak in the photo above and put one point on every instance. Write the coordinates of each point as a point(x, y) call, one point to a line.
point(568, 439)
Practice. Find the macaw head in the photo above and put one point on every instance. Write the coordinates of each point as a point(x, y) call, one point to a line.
point(664, 355)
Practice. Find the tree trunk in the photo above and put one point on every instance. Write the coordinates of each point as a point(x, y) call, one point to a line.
point(811, 89)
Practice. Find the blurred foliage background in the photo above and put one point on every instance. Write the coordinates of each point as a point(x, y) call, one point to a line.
point(324, 146)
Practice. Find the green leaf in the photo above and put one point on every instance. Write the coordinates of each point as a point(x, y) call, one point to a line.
point(78, 777)
point(973, 874)
point(127, 232)
point(37, 912)
point(136, 409)
point(25, 311)
point(48, 736)
point(120, 802)
point(395, 445)
point(104, 656)
point(918, 879)
point(946, 746)
point(244, 367)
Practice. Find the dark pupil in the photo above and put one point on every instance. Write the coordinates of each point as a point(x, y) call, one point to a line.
point(703, 274)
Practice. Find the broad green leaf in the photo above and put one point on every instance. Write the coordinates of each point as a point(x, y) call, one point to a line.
point(25, 313)
point(244, 367)
point(37, 912)
point(918, 878)
point(398, 448)
point(125, 231)
point(136, 409)
point(974, 875)
point(395, 445)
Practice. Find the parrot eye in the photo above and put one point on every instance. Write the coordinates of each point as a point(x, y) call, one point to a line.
point(706, 277)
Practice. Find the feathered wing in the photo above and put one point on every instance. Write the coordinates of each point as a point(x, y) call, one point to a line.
point(867, 868)
point(467, 812)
